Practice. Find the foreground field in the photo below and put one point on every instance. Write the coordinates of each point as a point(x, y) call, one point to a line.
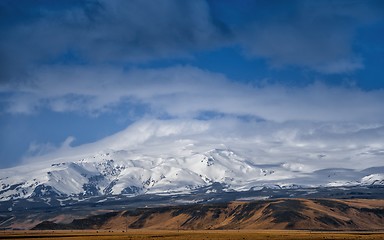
point(192, 235)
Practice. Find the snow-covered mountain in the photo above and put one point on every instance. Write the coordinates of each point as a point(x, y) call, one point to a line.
point(172, 158)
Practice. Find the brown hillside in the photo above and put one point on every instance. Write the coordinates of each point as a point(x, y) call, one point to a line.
point(312, 214)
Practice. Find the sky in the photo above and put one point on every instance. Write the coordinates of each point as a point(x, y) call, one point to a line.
point(75, 72)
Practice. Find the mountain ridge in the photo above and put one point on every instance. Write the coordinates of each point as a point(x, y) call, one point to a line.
point(180, 157)
point(117, 173)
point(299, 214)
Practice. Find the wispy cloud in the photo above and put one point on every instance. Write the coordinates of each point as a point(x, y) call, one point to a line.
point(40, 149)
point(190, 92)
point(297, 146)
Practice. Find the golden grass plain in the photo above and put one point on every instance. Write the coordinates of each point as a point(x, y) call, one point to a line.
point(193, 235)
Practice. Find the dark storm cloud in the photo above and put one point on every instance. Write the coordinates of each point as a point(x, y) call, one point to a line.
point(101, 31)
point(314, 34)
point(35, 32)
point(318, 35)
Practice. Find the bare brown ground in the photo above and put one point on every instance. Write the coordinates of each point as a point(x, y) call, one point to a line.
point(192, 235)
point(345, 215)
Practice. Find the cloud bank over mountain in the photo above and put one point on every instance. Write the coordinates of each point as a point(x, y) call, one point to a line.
point(297, 146)
point(103, 66)
point(191, 92)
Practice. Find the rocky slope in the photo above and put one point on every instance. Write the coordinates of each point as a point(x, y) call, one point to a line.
point(313, 214)
point(180, 171)
point(165, 157)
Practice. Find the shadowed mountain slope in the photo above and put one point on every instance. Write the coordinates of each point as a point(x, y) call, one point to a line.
point(313, 214)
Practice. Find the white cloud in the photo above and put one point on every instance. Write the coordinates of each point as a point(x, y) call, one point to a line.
point(42, 149)
point(297, 146)
point(37, 149)
point(67, 142)
point(310, 35)
point(189, 92)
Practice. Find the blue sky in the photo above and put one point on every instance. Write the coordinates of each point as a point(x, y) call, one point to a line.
point(74, 72)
